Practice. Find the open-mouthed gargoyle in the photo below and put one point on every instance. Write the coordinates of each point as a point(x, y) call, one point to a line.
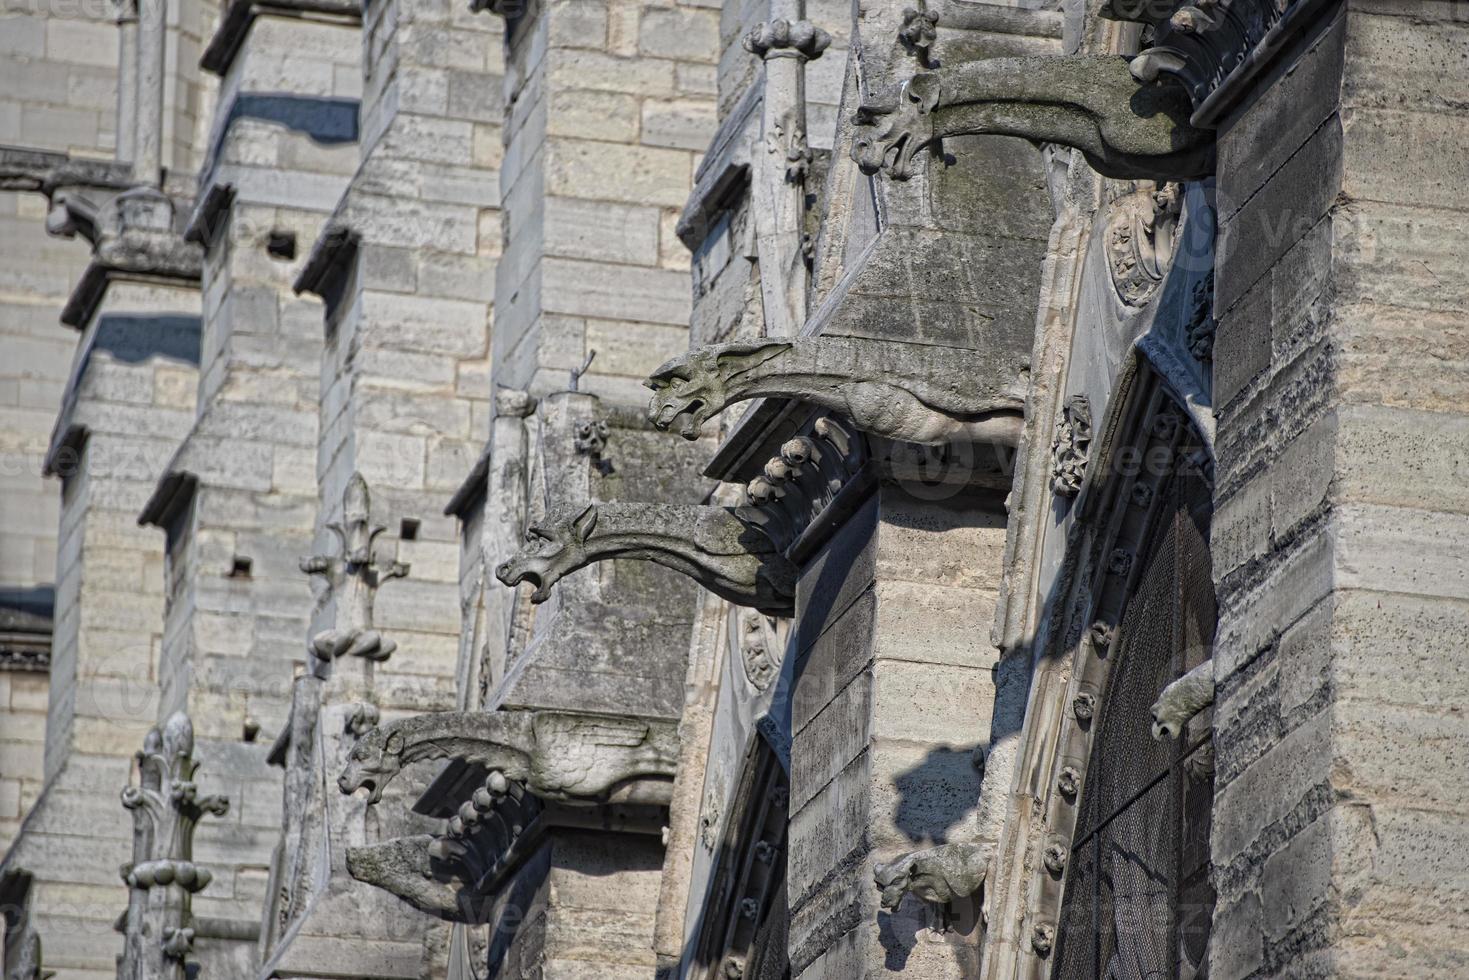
point(558, 756)
point(709, 544)
point(1126, 128)
point(906, 392)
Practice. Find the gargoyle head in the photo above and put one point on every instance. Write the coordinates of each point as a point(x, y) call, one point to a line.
point(696, 386)
point(556, 549)
point(909, 128)
point(895, 879)
point(375, 760)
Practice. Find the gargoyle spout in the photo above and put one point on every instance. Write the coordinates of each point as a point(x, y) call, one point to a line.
point(938, 874)
point(1182, 700)
point(901, 391)
point(709, 544)
point(1126, 128)
point(557, 755)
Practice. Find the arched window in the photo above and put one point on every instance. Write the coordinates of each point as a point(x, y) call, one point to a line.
point(1138, 901)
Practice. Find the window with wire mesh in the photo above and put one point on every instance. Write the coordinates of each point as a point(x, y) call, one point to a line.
point(1138, 899)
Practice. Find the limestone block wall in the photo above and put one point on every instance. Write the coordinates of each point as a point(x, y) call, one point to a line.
point(1338, 834)
point(609, 105)
point(23, 697)
point(405, 397)
point(892, 696)
point(129, 402)
point(239, 606)
point(58, 69)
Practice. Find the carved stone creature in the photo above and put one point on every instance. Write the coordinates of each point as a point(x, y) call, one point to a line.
point(939, 874)
point(1182, 700)
point(709, 544)
point(1125, 128)
point(568, 757)
point(906, 392)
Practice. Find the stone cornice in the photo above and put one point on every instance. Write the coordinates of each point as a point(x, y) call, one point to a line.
point(132, 256)
point(229, 38)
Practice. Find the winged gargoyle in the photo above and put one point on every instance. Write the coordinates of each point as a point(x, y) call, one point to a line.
point(1126, 128)
point(709, 544)
point(907, 392)
point(558, 756)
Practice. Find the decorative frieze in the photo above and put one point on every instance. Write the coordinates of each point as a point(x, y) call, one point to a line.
point(760, 647)
point(715, 546)
point(803, 480)
point(162, 877)
point(906, 392)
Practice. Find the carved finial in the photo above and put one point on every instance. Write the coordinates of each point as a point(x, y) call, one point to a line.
point(783, 39)
point(920, 31)
point(166, 807)
point(354, 576)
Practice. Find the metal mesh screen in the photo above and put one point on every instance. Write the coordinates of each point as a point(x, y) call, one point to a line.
point(1138, 900)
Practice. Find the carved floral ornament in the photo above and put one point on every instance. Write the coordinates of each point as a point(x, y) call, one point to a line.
point(1071, 446)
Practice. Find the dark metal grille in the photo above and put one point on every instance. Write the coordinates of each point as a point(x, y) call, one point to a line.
point(1138, 901)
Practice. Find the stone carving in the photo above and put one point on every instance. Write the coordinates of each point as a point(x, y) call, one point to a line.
point(1141, 234)
point(1201, 321)
point(353, 576)
point(1199, 43)
point(1071, 446)
point(1124, 128)
point(919, 32)
point(906, 392)
point(162, 877)
point(1055, 854)
point(453, 875)
point(22, 946)
point(1182, 700)
point(558, 756)
point(796, 485)
point(938, 874)
point(760, 648)
point(710, 544)
point(784, 39)
point(590, 437)
point(1084, 706)
point(1043, 939)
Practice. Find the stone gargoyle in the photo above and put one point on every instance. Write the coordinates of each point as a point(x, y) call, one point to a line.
point(1182, 700)
point(1126, 128)
point(558, 756)
point(709, 544)
point(1182, 708)
point(907, 392)
point(404, 867)
point(938, 875)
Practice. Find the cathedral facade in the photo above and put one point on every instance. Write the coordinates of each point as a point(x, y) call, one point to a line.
point(568, 489)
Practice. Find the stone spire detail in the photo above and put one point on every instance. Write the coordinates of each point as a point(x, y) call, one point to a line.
point(162, 877)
